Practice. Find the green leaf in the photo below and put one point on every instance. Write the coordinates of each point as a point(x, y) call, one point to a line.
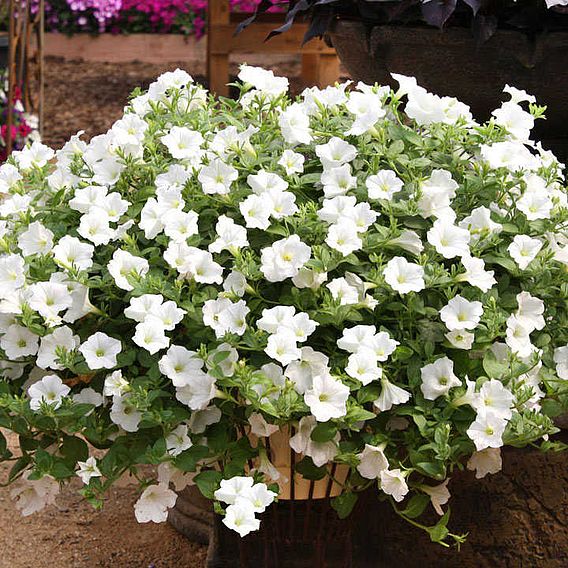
point(306, 468)
point(74, 449)
point(324, 432)
point(344, 504)
point(19, 466)
point(416, 506)
point(494, 369)
point(208, 482)
point(187, 461)
point(439, 531)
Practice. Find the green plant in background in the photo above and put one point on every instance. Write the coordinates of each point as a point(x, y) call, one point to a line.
point(371, 268)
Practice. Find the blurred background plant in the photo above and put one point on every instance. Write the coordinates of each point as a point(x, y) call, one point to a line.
point(133, 16)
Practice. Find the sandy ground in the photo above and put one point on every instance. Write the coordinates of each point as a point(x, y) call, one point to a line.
point(71, 534)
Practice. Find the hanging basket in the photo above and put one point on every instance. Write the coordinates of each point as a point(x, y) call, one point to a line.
point(294, 486)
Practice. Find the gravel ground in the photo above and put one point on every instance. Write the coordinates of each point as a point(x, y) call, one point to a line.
point(91, 96)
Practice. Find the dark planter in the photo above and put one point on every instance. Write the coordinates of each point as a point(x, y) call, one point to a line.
point(516, 518)
point(293, 534)
point(449, 63)
point(4, 47)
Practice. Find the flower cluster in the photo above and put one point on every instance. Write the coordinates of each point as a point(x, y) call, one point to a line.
point(133, 16)
point(24, 127)
point(367, 274)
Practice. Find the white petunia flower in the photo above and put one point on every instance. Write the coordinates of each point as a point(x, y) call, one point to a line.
point(403, 276)
point(518, 336)
point(255, 212)
point(33, 496)
point(61, 340)
point(303, 371)
point(180, 365)
point(260, 427)
point(88, 469)
point(199, 265)
point(115, 384)
point(496, 399)
point(199, 393)
point(231, 236)
point(19, 341)
point(391, 395)
point(448, 240)
point(460, 339)
point(154, 503)
point(36, 239)
point(217, 177)
point(232, 489)
point(123, 264)
point(439, 495)
point(460, 314)
point(344, 237)
point(177, 441)
point(383, 185)
point(335, 153)
point(393, 483)
point(561, 361)
point(530, 310)
point(438, 378)
point(70, 252)
point(327, 398)
point(480, 225)
point(183, 143)
point(292, 162)
point(12, 274)
point(49, 298)
point(524, 249)
point(353, 338)
point(240, 518)
point(372, 461)
point(100, 351)
point(476, 275)
point(338, 181)
point(50, 390)
point(437, 193)
point(485, 461)
point(124, 414)
point(284, 258)
point(282, 347)
point(343, 291)
point(487, 431)
point(309, 278)
point(151, 335)
point(362, 366)
point(180, 225)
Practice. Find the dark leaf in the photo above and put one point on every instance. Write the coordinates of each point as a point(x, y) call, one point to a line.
point(437, 12)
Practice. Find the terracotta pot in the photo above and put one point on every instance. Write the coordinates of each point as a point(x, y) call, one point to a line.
point(449, 63)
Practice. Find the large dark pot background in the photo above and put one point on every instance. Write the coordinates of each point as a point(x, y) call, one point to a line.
point(449, 63)
point(4, 46)
point(515, 519)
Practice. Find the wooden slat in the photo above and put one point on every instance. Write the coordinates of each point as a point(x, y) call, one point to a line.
point(222, 39)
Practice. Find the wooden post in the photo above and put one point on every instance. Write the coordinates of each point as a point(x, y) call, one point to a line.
point(320, 69)
point(218, 63)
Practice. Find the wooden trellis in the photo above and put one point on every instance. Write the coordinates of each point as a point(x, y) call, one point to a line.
point(25, 60)
point(320, 65)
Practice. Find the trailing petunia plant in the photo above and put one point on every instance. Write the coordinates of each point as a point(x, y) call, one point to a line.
point(369, 274)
